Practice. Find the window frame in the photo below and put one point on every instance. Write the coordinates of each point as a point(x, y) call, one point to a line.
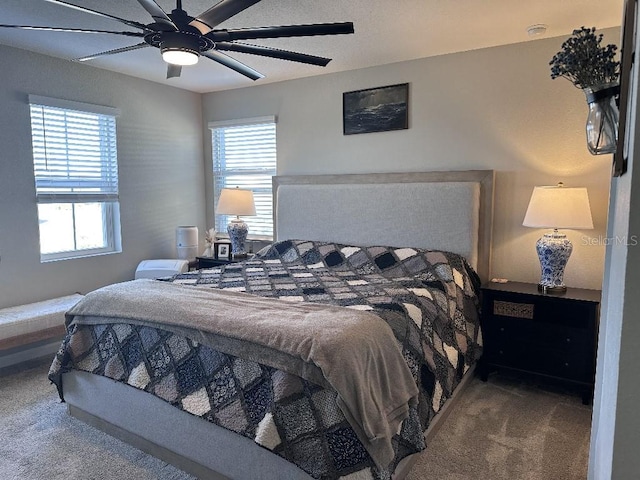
point(107, 195)
point(270, 171)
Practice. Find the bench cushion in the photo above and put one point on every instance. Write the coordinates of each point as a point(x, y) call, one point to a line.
point(35, 317)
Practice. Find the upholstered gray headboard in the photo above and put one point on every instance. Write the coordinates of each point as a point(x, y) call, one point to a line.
point(450, 211)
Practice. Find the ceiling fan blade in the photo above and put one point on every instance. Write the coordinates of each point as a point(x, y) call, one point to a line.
point(220, 12)
point(283, 31)
point(112, 52)
point(233, 64)
point(273, 53)
point(173, 70)
point(100, 14)
point(73, 30)
point(158, 14)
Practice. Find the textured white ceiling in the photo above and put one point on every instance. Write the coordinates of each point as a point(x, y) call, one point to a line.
point(385, 32)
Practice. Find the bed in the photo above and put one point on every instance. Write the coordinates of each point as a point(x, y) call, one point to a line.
point(386, 263)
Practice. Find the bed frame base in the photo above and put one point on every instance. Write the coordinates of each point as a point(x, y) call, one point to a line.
point(179, 461)
point(154, 426)
point(127, 414)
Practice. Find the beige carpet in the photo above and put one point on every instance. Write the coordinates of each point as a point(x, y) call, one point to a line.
point(500, 430)
point(512, 430)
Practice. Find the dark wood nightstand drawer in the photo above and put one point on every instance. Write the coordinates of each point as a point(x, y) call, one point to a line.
point(562, 364)
point(551, 335)
point(571, 314)
point(530, 357)
point(554, 310)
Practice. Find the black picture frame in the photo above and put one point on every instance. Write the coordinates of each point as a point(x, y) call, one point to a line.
point(378, 109)
point(222, 250)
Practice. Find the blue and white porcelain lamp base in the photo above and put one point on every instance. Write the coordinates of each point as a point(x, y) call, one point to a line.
point(237, 230)
point(554, 250)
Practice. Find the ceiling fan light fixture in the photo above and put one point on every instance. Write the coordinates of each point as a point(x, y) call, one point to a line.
point(180, 49)
point(182, 57)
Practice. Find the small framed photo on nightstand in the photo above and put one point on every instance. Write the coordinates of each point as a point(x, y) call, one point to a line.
point(223, 250)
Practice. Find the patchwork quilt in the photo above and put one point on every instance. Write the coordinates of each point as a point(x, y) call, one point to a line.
point(428, 298)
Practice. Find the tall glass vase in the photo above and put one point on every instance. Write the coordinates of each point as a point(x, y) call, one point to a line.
point(602, 121)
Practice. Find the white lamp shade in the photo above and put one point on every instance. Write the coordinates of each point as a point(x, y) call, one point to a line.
point(559, 207)
point(236, 201)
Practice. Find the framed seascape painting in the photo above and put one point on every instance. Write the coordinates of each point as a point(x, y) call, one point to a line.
point(376, 109)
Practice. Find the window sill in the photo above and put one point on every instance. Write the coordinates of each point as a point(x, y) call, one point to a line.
point(74, 257)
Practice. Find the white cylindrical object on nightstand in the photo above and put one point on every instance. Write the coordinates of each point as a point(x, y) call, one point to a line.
point(187, 242)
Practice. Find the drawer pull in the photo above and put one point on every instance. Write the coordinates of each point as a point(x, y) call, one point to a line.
point(513, 309)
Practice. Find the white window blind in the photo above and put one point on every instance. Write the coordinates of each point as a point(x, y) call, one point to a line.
point(244, 155)
point(74, 153)
point(76, 177)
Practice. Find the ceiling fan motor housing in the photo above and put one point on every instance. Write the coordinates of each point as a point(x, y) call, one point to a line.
point(182, 41)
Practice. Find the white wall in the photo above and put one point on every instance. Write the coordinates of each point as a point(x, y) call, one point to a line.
point(160, 155)
point(494, 108)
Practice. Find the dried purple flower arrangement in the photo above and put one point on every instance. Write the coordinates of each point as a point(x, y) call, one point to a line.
point(584, 61)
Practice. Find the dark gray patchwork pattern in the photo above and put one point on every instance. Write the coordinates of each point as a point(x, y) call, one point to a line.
point(427, 298)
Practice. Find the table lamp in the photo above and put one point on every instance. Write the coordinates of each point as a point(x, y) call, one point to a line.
point(556, 207)
point(236, 201)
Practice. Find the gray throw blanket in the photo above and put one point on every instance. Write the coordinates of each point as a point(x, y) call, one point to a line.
point(353, 351)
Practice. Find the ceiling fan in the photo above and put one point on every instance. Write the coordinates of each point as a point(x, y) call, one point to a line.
point(183, 39)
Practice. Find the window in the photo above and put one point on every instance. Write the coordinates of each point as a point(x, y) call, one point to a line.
point(244, 155)
point(76, 173)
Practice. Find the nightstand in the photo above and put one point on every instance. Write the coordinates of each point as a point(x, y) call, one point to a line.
point(549, 335)
point(210, 262)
